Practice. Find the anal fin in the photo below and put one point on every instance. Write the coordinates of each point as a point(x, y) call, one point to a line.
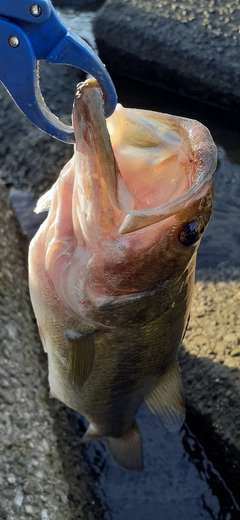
point(127, 449)
point(166, 400)
point(80, 355)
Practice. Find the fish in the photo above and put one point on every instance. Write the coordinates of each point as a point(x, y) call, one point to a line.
point(111, 269)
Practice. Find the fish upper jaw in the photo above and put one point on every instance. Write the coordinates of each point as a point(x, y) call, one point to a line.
point(98, 186)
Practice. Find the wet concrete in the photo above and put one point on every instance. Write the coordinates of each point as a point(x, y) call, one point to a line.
point(178, 480)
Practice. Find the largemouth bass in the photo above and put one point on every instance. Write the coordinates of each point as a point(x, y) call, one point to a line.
point(111, 270)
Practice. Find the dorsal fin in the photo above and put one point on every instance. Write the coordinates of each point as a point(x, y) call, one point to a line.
point(80, 355)
point(166, 400)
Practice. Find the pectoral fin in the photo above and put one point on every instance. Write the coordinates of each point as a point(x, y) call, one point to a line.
point(80, 354)
point(45, 200)
point(166, 400)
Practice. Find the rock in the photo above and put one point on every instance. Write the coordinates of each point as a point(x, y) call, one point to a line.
point(18, 499)
point(62, 497)
point(45, 446)
point(29, 510)
point(231, 337)
point(11, 478)
point(7, 396)
point(32, 487)
point(44, 515)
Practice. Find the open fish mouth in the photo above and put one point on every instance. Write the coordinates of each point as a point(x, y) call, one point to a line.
point(176, 156)
point(163, 160)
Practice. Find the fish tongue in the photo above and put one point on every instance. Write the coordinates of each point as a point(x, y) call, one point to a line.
point(97, 175)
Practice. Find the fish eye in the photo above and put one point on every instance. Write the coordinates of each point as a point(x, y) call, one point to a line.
point(191, 233)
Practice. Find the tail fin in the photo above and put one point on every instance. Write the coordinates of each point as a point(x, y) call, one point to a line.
point(127, 449)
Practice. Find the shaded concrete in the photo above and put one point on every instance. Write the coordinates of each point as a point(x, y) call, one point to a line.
point(191, 47)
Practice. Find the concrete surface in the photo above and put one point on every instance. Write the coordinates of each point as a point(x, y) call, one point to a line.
point(42, 468)
point(191, 47)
